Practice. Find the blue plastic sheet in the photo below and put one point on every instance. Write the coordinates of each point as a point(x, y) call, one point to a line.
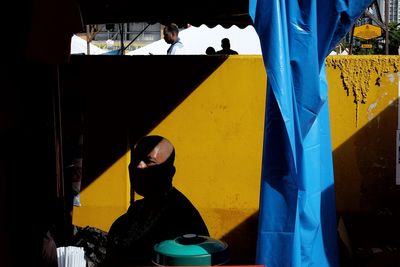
point(297, 223)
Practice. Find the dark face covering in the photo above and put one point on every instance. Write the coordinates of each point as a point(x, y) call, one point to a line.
point(155, 180)
point(152, 181)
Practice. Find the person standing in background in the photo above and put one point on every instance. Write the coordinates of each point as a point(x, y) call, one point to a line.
point(226, 48)
point(171, 32)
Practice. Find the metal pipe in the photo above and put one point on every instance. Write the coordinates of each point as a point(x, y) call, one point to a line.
point(121, 27)
point(137, 36)
point(387, 27)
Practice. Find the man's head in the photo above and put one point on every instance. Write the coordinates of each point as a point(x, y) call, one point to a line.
point(225, 43)
point(171, 32)
point(210, 50)
point(152, 166)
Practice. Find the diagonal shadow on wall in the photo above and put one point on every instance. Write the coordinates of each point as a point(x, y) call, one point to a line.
point(123, 98)
point(365, 166)
point(242, 241)
point(366, 195)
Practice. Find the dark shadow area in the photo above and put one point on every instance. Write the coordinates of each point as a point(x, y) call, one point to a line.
point(374, 239)
point(209, 12)
point(242, 242)
point(30, 206)
point(365, 167)
point(367, 197)
point(328, 226)
point(124, 98)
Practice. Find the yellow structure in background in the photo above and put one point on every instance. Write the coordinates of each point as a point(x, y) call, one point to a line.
point(367, 31)
point(218, 135)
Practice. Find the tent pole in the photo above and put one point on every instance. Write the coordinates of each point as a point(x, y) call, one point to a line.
point(121, 28)
point(351, 40)
point(88, 39)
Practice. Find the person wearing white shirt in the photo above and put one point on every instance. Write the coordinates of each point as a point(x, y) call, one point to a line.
point(171, 32)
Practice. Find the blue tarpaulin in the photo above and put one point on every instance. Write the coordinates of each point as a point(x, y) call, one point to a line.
point(297, 223)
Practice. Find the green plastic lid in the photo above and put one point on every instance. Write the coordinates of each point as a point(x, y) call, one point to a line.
point(191, 249)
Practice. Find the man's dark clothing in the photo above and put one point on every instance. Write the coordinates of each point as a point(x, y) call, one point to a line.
point(226, 52)
point(149, 221)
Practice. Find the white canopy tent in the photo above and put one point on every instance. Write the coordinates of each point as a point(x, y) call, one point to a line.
point(79, 46)
point(197, 39)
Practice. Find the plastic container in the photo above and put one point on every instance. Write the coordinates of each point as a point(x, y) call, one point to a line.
point(191, 250)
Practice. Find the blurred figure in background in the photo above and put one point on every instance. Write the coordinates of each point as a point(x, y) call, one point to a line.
point(171, 32)
point(226, 48)
point(210, 50)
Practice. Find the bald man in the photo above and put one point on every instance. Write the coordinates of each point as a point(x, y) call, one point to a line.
point(163, 213)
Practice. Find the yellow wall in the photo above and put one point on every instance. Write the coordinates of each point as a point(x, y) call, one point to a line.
point(363, 110)
point(218, 132)
point(106, 198)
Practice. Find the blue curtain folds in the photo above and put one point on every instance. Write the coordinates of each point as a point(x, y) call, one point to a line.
point(297, 223)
